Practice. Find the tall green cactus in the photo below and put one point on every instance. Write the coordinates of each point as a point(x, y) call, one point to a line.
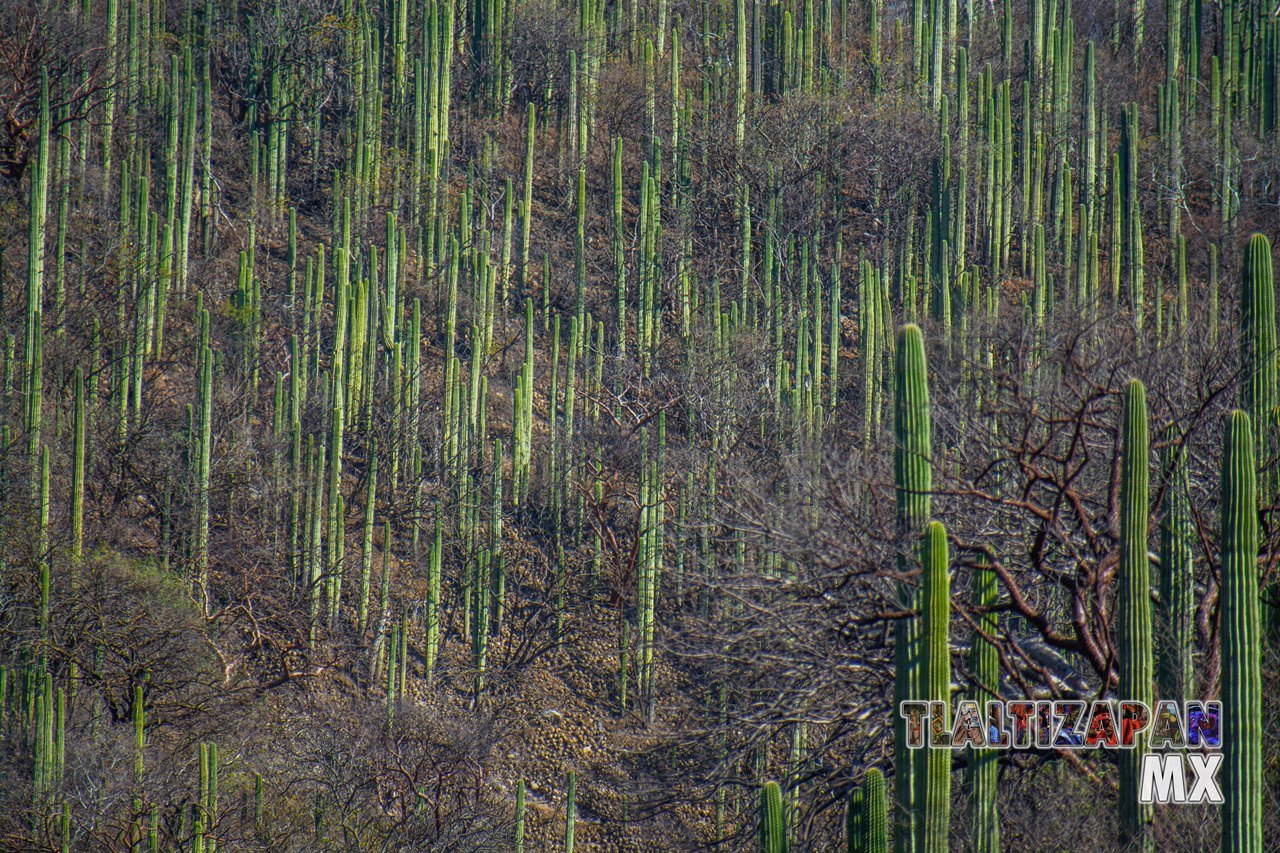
point(37, 212)
point(913, 482)
point(1258, 394)
point(1241, 643)
point(203, 443)
point(1133, 617)
point(77, 468)
point(570, 810)
point(983, 770)
point(1177, 583)
point(366, 546)
point(431, 646)
point(935, 783)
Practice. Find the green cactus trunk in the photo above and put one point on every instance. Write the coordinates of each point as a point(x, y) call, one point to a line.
point(984, 663)
point(1177, 583)
point(1240, 625)
point(520, 809)
point(1133, 631)
point(913, 482)
point(772, 829)
point(1259, 396)
point(935, 784)
point(875, 823)
point(570, 811)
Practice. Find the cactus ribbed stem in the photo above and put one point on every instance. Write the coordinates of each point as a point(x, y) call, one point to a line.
point(1241, 629)
point(570, 810)
point(520, 810)
point(1177, 583)
point(1133, 631)
point(1258, 384)
point(772, 830)
point(984, 818)
point(935, 783)
point(913, 482)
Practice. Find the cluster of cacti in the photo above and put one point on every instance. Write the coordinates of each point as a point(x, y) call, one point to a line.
point(204, 811)
point(309, 250)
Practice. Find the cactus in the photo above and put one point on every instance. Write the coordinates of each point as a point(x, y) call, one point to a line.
point(1177, 584)
point(356, 371)
point(77, 469)
point(366, 549)
point(1259, 393)
point(1133, 618)
point(983, 770)
point(1258, 382)
point(206, 807)
point(432, 644)
point(1242, 773)
point(855, 820)
point(619, 255)
point(866, 822)
point(913, 482)
point(257, 800)
point(875, 825)
point(37, 211)
point(772, 829)
point(570, 810)
point(202, 457)
point(520, 812)
point(934, 793)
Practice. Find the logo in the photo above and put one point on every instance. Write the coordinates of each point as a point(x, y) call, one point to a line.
point(1180, 741)
point(1164, 778)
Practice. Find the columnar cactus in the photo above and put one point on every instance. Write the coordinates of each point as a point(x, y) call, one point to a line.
point(983, 771)
point(1241, 629)
point(37, 211)
point(1258, 372)
point(1133, 617)
point(875, 824)
point(570, 810)
point(913, 482)
point(1177, 583)
point(935, 783)
point(854, 820)
point(772, 828)
point(520, 809)
point(77, 468)
point(366, 547)
point(206, 807)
